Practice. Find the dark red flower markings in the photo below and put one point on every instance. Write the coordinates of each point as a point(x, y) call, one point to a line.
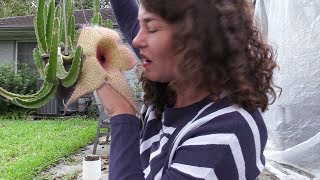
point(102, 55)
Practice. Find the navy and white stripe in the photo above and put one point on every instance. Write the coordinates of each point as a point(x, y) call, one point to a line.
point(160, 147)
point(196, 172)
point(203, 141)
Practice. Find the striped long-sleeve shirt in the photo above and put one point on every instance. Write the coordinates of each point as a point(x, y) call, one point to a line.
point(205, 140)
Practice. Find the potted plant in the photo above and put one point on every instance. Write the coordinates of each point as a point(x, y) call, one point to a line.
point(60, 46)
point(57, 57)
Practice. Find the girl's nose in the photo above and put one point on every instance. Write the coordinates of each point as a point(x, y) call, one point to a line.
point(139, 41)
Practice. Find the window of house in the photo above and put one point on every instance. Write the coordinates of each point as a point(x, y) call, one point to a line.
point(25, 54)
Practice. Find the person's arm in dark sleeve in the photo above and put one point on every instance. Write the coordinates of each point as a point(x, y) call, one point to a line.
point(126, 12)
point(124, 150)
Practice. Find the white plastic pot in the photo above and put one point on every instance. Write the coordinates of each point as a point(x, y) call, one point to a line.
point(91, 167)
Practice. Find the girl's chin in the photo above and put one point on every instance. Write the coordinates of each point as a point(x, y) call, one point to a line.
point(151, 78)
point(156, 77)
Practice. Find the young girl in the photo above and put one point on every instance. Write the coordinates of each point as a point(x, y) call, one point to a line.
point(207, 77)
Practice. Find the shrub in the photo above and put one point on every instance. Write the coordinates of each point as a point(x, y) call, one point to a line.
point(24, 81)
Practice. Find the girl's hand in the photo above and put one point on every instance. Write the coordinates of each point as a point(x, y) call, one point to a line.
point(113, 102)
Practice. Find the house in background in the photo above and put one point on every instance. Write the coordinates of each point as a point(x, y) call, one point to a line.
point(18, 39)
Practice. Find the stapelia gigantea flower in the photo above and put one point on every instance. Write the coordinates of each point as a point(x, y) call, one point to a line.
point(105, 58)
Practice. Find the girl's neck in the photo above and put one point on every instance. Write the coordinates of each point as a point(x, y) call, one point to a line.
point(190, 96)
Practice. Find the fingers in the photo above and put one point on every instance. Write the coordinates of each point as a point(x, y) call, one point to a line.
point(113, 102)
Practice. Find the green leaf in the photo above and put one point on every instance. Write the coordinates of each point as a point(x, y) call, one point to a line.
point(74, 70)
point(52, 65)
point(39, 62)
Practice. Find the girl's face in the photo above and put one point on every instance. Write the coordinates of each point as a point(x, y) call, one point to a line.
point(155, 41)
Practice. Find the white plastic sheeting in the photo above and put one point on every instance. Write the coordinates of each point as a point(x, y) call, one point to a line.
point(293, 29)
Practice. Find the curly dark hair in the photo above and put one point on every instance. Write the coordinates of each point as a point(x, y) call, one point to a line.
point(223, 52)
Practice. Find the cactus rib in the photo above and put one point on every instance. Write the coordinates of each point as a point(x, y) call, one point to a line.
point(36, 101)
point(109, 24)
point(72, 76)
point(50, 19)
point(39, 62)
point(43, 90)
point(62, 27)
point(96, 6)
point(52, 67)
point(40, 25)
point(61, 72)
point(71, 23)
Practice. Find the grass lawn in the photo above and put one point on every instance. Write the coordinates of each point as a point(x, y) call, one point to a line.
point(28, 147)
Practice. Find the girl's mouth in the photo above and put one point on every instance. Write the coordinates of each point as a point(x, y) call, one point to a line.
point(145, 61)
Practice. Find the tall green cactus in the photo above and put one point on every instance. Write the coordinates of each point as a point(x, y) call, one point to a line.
point(56, 38)
point(51, 38)
point(97, 18)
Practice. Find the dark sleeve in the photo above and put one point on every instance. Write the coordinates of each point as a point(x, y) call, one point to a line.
point(126, 12)
point(124, 150)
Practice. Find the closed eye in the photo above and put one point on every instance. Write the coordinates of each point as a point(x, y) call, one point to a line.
point(152, 31)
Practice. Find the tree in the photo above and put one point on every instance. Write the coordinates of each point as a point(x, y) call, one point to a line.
point(88, 4)
point(10, 8)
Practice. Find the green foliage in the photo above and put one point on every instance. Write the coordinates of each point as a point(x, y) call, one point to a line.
point(97, 18)
point(11, 8)
point(29, 147)
point(138, 91)
point(92, 110)
point(22, 82)
point(88, 4)
point(135, 85)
